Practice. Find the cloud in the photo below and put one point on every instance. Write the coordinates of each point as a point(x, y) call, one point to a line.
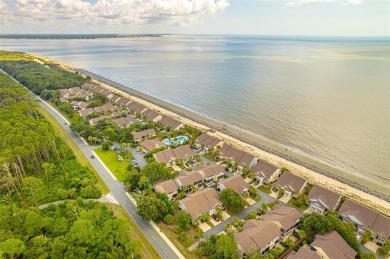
point(302, 2)
point(113, 12)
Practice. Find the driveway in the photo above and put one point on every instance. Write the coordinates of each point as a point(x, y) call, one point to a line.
point(139, 157)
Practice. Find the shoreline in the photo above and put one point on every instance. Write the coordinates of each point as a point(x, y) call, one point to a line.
point(313, 174)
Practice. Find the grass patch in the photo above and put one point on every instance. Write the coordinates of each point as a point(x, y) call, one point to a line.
point(264, 188)
point(110, 159)
point(81, 158)
point(182, 247)
point(299, 202)
point(148, 250)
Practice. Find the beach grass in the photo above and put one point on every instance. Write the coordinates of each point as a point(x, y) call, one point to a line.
point(148, 250)
point(81, 158)
point(110, 159)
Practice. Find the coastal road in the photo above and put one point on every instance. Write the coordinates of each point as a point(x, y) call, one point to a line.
point(118, 190)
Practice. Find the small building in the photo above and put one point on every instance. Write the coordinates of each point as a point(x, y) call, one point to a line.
point(79, 105)
point(170, 123)
point(123, 101)
point(151, 144)
point(135, 107)
point(366, 219)
point(211, 173)
point(171, 155)
point(332, 245)
point(201, 202)
point(234, 182)
point(236, 155)
point(286, 218)
point(138, 136)
point(114, 98)
point(292, 185)
point(168, 187)
point(208, 141)
point(266, 172)
point(67, 94)
point(85, 112)
point(151, 115)
point(105, 107)
point(125, 121)
point(185, 179)
point(321, 200)
point(304, 253)
point(257, 235)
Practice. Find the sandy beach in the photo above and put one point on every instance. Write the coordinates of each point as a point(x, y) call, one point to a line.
point(230, 135)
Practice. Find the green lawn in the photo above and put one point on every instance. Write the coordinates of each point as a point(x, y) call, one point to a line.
point(148, 250)
point(110, 159)
point(299, 202)
point(265, 188)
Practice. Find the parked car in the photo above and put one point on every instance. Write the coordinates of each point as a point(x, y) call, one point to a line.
point(215, 217)
point(256, 183)
point(92, 157)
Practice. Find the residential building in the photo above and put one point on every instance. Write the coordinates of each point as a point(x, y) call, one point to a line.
point(286, 218)
point(105, 107)
point(332, 245)
point(366, 219)
point(201, 202)
point(135, 107)
point(114, 98)
point(150, 144)
point(236, 155)
point(168, 187)
point(171, 155)
point(321, 200)
point(304, 253)
point(257, 235)
point(211, 173)
point(138, 136)
point(185, 179)
point(85, 112)
point(208, 141)
point(94, 121)
point(79, 105)
point(123, 101)
point(171, 123)
point(125, 121)
point(234, 182)
point(266, 172)
point(292, 185)
point(67, 94)
point(151, 115)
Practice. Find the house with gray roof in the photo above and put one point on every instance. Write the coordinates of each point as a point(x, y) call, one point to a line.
point(321, 200)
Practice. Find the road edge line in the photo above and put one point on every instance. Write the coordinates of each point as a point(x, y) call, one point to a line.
point(105, 167)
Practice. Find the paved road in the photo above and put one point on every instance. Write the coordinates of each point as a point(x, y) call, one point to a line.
point(118, 191)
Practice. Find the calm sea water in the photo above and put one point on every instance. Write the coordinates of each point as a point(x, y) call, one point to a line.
point(327, 99)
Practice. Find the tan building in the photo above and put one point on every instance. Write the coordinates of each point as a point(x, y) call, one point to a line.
point(151, 115)
point(137, 136)
point(85, 112)
point(67, 94)
point(171, 123)
point(185, 179)
point(135, 107)
point(125, 121)
point(171, 155)
point(292, 185)
point(201, 202)
point(123, 101)
point(234, 182)
point(332, 245)
point(150, 144)
point(286, 218)
point(321, 200)
point(77, 106)
point(211, 173)
point(257, 235)
point(208, 141)
point(366, 219)
point(304, 253)
point(168, 187)
point(236, 155)
point(266, 172)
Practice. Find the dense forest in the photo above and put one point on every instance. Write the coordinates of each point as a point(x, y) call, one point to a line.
point(38, 167)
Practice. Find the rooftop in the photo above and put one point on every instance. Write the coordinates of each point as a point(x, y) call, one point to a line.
point(334, 246)
point(201, 202)
point(324, 197)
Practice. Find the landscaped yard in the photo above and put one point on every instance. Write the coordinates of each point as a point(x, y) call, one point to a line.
point(299, 202)
point(265, 188)
point(110, 159)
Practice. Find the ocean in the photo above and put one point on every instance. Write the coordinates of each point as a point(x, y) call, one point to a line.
point(323, 100)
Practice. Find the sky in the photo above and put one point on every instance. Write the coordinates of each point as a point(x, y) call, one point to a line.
point(258, 17)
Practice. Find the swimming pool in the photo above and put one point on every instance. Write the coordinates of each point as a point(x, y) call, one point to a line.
point(172, 141)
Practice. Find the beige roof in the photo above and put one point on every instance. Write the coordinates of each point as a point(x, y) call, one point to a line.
point(79, 104)
point(85, 112)
point(89, 86)
point(125, 121)
point(366, 218)
point(264, 168)
point(104, 107)
point(304, 253)
point(123, 101)
point(334, 246)
point(150, 114)
point(291, 182)
point(256, 234)
point(169, 122)
point(71, 91)
point(97, 119)
point(324, 198)
point(143, 133)
point(236, 155)
point(285, 216)
point(167, 187)
point(210, 170)
point(169, 155)
point(201, 202)
point(136, 107)
point(208, 141)
point(236, 183)
point(114, 98)
point(150, 144)
point(186, 178)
